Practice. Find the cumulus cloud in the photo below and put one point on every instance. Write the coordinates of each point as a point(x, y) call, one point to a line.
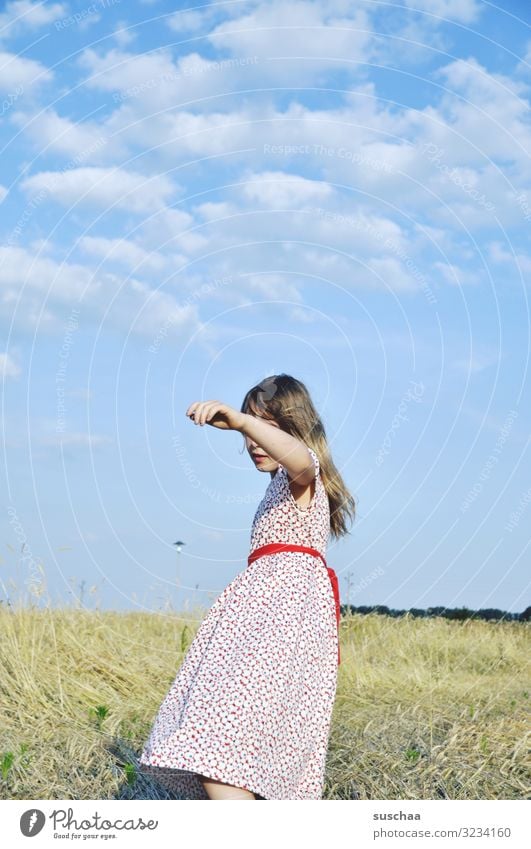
point(124, 252)
point(155, 81)
point(17, 72)
point(34, 290)
point(500, 254)
point(465, 11)
point(366, 145)
point(22, 15)
point(8, 367)
point(524, 66)
point(19, 269)
point(118, 70)
point(170, 230)
point(103, 187)
point(271, 287)
point(285, 35)
point(277, 189)
point(270, 42)
point(188, 20)
point(211, 211)
point(86, 141)
point(482, 116)
point(250, 160)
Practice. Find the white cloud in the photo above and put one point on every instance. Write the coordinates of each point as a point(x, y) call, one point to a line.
point(184, 133)
point(3, 193)
point(103, 187)
point(155, 81)
point(268, 43)
point(480, 84)
point(17, 72)
point(20, 15)
point(411, 44)
point(354, 228)
point(465, 11)
point(391, 274)
point(171, 229)
point(271, 287)
point(455, 276)
point(499, 254)
point(335, 240)
point(151, 309)
point(124, 34)
point(19, 268)
point(492, 113)
point(8, 367)
point(524, 66)
point(277, 189)
point(363, 144)
point(119, 71)
point(125, 252)
point(306, 316)
point(32, 284)
point(216, 210)
point(190, 20)
point(284, 35)
point(84, 140)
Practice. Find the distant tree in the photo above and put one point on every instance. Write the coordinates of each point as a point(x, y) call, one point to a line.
point(490, 613)
point(436, 611)
point(461, 613)
point(458, 614)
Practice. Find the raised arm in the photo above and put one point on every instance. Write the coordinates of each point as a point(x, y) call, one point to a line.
point(279, 445)
point(282, 447)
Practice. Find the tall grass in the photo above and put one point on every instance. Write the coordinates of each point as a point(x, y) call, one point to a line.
point(425, 708)
point(431, 709)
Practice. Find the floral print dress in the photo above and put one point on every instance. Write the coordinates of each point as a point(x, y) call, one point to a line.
point(252, 701)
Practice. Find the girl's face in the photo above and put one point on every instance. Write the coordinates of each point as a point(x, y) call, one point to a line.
point(262, 461)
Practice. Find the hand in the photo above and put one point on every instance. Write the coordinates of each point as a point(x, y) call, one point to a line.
point(215, 413)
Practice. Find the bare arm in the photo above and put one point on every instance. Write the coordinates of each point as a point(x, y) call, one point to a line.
point(279, 445)
point(282, 447)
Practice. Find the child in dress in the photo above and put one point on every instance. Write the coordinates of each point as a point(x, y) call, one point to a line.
point(248, 714)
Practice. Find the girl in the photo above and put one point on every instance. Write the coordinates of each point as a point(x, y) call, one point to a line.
point(248, 714)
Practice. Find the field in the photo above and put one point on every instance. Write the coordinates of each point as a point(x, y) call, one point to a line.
point(425, 708)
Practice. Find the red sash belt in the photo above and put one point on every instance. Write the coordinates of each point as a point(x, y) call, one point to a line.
point(273, 547)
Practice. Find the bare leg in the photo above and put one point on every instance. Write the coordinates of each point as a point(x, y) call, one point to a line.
point(217, 790)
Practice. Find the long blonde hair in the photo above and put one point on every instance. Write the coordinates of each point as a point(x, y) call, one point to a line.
point(287, 401)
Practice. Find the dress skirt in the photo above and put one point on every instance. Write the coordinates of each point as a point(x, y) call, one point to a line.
point(252, 701)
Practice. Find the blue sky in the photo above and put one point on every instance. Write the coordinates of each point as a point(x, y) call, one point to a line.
point(193, 197)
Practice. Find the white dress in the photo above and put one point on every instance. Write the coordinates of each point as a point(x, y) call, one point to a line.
point(251, 703)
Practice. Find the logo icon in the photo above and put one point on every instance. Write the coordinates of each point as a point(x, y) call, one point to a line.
point(31, 822)
point(268, 387)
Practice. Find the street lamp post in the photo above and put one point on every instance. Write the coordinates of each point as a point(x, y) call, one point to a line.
point(179, 544)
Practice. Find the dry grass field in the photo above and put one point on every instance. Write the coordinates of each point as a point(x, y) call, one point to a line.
point(425, 708)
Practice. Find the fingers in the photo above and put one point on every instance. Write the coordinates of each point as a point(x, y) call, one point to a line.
point(201, 411)
point(192, 410)
point(208, 411)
